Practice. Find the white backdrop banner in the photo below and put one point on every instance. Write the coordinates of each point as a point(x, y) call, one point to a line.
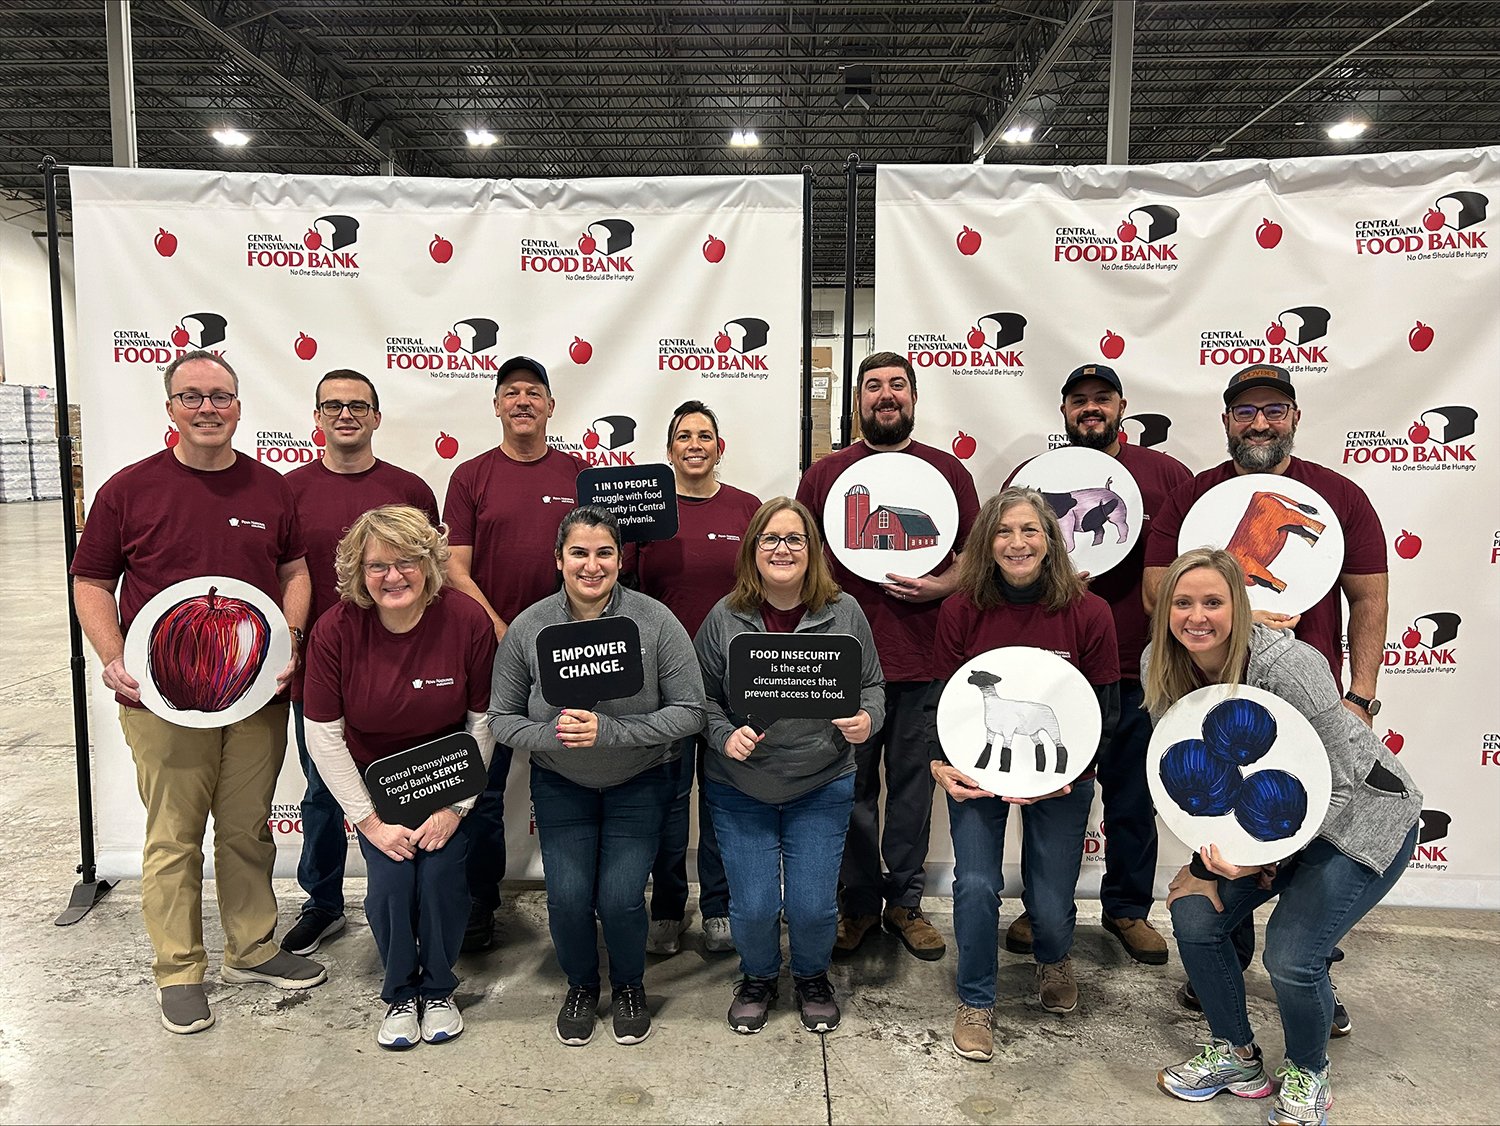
point(636, 294)
point(1374, 279)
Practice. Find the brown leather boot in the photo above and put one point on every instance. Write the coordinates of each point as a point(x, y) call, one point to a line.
point(918, 935)
point(853, 930)
point(1140, 939)
point(1018, 935)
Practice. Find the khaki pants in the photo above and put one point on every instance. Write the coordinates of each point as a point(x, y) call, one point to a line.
point(184, 774)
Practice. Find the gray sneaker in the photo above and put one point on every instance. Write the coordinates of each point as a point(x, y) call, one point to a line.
point(815, 1003)
point(286, 971)
point(665, 936)
point(184, 1008)
point(1216, 1068)
point(753, 998)
point(1304, 1098)
point(717, 937)
point(401, 1029)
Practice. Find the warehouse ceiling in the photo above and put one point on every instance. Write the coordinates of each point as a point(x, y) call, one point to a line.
point(576, 88)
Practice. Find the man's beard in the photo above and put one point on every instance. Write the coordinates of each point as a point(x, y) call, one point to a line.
point(1093, 440)
point(1261, 458)
point(892, 435)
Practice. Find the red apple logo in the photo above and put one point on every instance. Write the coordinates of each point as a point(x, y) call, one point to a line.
point(205, 652)
point(1412, 637)
point(446, 446)
point(1420, 337)
point(580, 351)
point(1112, 344)
point(1407, 545)
point(1268, 234)
point(170, 438)
point(305, 346)
point(1126, 231)
point(180, 337)
point(968, 241)
point(722, 342)
point(713, 249)
point(586, 243)
point(1275, 333)
point(590, 439)
point(451, 342)
point(166, 242)
point(1418, 434)
point(440, 249)
point(964, 446)
point(1433, 220)
point(976, 337)
point(312, 240)
point(319, 439)
point(1123, 438)
point(1394, 741)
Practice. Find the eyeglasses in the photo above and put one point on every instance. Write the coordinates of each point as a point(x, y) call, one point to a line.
point(192, 400)
point(794, 542)
point(332, 408)
point(405, 566)
point(1274, 412)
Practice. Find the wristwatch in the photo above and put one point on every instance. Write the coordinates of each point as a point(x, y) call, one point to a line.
point(1371, 707)
point(298, 635)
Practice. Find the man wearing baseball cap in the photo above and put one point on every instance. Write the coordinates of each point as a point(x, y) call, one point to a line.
point(502, 511)
point(1093, 406)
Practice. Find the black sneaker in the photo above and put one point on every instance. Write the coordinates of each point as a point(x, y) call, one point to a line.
point(632, 1019)
point(815, 1003)
point(753, 998)
point(312, 928)
point(1188, 999)
point(578, 1016)
point(479, 935)
point(1343, 1024)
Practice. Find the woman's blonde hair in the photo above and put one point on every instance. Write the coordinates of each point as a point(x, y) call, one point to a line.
point(979, 575)
point(407, 532)
point(818, 585)
point(1172, 673)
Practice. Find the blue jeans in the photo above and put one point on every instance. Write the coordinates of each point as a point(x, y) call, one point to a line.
point(669, 882)
point(1323, 894)
point(597, 847)
point(487, 833)
point(325, 841)
point(797, 844)
point(417, 911)
point(1129, 816)
point(1052, 833)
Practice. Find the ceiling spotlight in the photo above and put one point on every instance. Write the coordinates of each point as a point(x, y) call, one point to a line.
point(1345, 130)
point(744, 139)
point(480, 138)
point(1017, 135)
point(231, 138)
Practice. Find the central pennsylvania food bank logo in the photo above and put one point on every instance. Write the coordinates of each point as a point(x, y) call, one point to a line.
point(284, 449)
point(603, 442)
point(1141, 241)
point(1450, 227)
point(465, 350)
point(735, 351)
point(988, 346)
point(285, 820)
point(1295, 338)
point(1432, 829)
point(597, 253)
point(1435, 439)
point(323, 250)
point(157, 348)
point(1144, 430)
point(1427, 644)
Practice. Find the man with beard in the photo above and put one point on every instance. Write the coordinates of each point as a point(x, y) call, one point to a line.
point(502, 510)
point(1092, 409)
point(903, 618)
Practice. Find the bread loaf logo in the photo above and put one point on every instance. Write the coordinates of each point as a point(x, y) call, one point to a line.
point(596, 252)
point(193, 331)
point(1142, 240)
point(1434, 439)
point(465, 350)
point(1295, 338)
point(987, 346)
point(322, 250)
point(1426, 645)
point(604, 442)
point(1433, 826)
point(736, 350)
point(1449, 227)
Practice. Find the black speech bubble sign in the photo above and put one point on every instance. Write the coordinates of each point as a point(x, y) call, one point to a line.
point(794, 676)
point(581, 663)
point(410, 786)
point(643, 498)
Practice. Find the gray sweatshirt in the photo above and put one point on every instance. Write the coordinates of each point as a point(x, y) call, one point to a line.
point(1375, 802)
point(797, 756)
point(635, 733)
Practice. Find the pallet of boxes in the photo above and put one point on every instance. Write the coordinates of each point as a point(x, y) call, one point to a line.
point(28, 444)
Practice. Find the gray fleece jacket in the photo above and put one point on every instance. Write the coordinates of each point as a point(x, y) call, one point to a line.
point(797, 756)
point(635, 733)
point(1375, 802)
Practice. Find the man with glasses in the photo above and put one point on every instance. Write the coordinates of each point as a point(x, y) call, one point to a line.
point(903, 617)
point(330, 495)
point(199, 509)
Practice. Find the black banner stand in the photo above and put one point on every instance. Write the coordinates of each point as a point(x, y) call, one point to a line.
point(852, 170)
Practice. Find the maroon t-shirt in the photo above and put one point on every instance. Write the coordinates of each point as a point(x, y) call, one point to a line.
point(1082, 633)
point(395, 691)
point(158, 522)
point(903, 630)
point(695, 568)
point(508, 512)
point(1157, 475)
point(1322, 626)
point(781, 621)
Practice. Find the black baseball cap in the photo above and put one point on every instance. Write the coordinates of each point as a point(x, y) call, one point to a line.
point(527, 366)
point(1093, 371)
point(1259, 375)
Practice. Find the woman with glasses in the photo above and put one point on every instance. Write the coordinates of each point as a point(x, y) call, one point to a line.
point(601, 777)
point(688, 574)
point(401, 661)
point(781, 797)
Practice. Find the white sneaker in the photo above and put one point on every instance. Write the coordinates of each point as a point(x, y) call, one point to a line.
point(665, 936)
point(717, 937)
point(400, 1029)
point(441, 1020)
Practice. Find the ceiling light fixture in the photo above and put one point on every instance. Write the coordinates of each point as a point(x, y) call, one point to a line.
point(231, 138)
point(744, 139)
point(1018, 135)
point(1345, 130)
point(480, 138)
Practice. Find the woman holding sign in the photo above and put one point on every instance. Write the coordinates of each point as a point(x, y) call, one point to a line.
point(397, 663)
point(1021, 591)
point(1201, 635)
point(601, 775)
point(781, 797)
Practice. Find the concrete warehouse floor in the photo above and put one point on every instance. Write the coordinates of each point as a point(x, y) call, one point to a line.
point(80, 1041)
